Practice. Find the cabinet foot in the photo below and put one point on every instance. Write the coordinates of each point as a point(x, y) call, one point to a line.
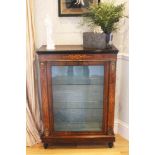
point(45, 145)
point(110, 144)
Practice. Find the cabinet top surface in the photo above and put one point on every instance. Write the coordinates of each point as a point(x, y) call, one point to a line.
point(73, 49)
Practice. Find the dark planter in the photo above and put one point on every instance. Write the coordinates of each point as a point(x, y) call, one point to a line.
point(97, 40)
point(94, 40)
point(109, 38)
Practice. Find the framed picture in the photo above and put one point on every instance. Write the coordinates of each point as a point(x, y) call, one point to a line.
point(69, 8)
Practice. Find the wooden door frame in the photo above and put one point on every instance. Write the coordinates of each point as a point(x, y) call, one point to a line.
point(50, 103)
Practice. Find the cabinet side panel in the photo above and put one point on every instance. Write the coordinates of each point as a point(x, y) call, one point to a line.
point(111, 104)
point(44, 95)
point(105, 99)
point(50, 96)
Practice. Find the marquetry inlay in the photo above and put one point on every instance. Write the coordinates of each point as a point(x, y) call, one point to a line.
point(113, 65)
point(77, 56)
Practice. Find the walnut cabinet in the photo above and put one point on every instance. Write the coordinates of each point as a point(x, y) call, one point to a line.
point(77, 94)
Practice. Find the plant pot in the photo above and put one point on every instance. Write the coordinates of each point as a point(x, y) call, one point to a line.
point(109, 38)
point(94, 40)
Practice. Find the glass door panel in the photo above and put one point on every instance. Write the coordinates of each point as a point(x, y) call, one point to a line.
point(78, 97)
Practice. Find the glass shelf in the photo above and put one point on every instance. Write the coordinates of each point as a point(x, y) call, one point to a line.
point(77, 126)
point(81, 80)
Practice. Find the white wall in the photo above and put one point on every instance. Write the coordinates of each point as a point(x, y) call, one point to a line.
point(124, 87)
point(122, 96)
point(67, 30)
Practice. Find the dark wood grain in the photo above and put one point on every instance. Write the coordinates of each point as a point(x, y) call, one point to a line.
point(105, 95)
point(96, 139)
point(76, 49)
point(44, 96)
point(111, 103)
point(75, 55)
point(50, 96)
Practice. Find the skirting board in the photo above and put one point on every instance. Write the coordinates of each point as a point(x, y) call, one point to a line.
point(121, 128)
point(116, 127)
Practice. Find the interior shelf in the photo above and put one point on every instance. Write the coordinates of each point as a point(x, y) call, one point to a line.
point(78, 105)
point(78, 126)
point(74, 80)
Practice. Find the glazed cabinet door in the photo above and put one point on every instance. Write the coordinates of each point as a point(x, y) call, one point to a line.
point(77, 98)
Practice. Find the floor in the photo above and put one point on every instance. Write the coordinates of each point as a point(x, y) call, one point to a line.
point(120, 148)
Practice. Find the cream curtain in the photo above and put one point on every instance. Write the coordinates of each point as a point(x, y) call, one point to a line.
point(33, 122)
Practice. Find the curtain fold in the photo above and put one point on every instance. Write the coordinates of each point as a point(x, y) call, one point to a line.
point(33, 121)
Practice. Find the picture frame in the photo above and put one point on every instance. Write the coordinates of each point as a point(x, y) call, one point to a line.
point(73, 8)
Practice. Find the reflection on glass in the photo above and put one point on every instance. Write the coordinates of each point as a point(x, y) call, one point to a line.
point(77, 97)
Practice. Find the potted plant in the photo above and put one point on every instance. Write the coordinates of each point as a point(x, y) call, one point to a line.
point(106, 15)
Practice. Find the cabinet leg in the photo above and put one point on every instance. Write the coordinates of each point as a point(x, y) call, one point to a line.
point(45, 145)
point(110, 144)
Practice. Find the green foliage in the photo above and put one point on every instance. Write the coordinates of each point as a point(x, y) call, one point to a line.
point(106, 15)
